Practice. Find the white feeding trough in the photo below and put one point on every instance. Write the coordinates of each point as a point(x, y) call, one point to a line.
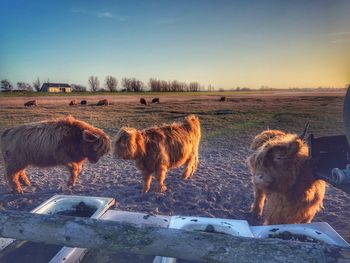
point(313, 232)
point(206, 224)
point(13, 251)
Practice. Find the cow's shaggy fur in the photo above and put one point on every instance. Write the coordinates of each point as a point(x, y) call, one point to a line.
point(157, 149)
point(263, 137)
point(31, 103)
point(65, 141)
point(283, 179)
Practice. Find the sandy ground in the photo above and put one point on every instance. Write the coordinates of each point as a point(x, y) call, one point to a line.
point(221, 187)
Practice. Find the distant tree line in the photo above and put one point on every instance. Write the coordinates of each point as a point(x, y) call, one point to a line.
point(157, 85)
point(111, 84)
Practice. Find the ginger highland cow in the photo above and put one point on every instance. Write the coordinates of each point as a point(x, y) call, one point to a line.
point(283, 180)
point(157, 149)
point(65, 141)
point(73, 103)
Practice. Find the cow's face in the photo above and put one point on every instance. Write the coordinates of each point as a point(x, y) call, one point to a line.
point(125, 144)
point(275, 164)
point(95, 146)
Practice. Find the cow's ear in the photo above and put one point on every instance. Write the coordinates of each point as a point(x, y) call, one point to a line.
point(89, 136)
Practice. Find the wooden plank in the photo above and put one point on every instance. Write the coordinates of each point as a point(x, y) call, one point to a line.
point(146, 240)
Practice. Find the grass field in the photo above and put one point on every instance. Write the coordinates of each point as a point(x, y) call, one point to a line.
point(246, 112)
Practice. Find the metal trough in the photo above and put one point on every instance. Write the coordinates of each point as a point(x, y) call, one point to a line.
point(14, 251)
point(206, 224)
point(319, 231)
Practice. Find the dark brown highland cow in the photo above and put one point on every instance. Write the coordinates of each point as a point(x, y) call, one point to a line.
point(65, 141)
point(103, 102)
point(283, 180)
point(157, 149)
point(143, 101)
point(31, 103)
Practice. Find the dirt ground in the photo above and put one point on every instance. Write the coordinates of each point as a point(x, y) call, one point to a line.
point(221, 187)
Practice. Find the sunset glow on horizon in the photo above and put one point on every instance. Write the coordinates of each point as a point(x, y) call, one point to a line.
point(226, 44)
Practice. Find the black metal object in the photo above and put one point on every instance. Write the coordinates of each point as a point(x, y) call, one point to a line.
point(327, 154)
point(330, 155)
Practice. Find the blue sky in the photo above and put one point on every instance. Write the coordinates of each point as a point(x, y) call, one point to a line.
point(223, 43)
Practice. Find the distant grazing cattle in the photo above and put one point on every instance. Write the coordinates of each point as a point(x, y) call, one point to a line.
point(31, 103)
point(65, 141)
point(283, 179)
point(83, 102)
point(155, 100)
point(143, 101)
point(73, 102)
point(223, 99)
point(157, 149)
point(103, 102)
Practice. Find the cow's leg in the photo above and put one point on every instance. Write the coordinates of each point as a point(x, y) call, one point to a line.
point(75, 169)
point(23, 177)
point(160, 175)
point(12, 176)
point(190, 166)
point(258, 203)
point(147, 177)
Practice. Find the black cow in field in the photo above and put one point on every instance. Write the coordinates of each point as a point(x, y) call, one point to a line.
point(143, 101)
point(83, 102)
point(223, 99)
point(155, 100)
point(31, 103)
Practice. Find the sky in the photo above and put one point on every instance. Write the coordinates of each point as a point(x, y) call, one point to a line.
point(226, 44)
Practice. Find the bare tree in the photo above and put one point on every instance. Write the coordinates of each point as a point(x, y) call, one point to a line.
point(111, 83)
point(37, 85)
point(132, 84)
point(6, 85)
point(94, 83)
point(157, 85)
point(24, 86)
point(194, 87)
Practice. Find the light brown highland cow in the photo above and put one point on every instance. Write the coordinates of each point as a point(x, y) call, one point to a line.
point(66, 141)
point(283, 180)
point(157, 149)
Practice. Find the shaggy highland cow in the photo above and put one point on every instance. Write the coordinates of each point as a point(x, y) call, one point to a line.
point(157, 149)
point(66, 141)
point(155, 100)
point(31, 103)
point(283, 179)
point(73, 103)
point(103, 102)
point(143, 101)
